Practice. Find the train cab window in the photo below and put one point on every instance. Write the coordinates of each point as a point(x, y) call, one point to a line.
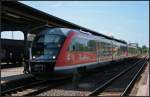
point(47, 46)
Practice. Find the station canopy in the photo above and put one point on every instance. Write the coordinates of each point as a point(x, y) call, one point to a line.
point(20, 17)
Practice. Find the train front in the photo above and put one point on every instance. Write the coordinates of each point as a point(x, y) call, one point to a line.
point(45, 49)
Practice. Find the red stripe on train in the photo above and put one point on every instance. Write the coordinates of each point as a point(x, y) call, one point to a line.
point(61, 60)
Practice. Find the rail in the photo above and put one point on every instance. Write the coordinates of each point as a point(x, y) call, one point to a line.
point(101, 88)
point(51, 83)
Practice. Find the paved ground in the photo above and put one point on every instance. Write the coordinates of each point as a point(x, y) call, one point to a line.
point(11, 71)
point(141, 88)
point(144, 84)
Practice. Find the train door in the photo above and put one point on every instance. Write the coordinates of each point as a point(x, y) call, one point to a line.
point(98, 51)
point(72, 52)
point(112, 49)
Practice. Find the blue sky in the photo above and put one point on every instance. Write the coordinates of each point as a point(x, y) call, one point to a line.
point(126, 20)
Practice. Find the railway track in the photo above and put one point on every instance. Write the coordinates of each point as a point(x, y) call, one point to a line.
point(84, 87)
point(90, 81)
point(121, 84)
point(36, 86)
point(16, 85)
point(26, 87)
point(31, 87)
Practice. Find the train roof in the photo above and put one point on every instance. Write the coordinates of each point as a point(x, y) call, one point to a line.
point(33, 14)
point(67, 29)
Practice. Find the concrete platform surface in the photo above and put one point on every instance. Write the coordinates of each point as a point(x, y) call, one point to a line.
point(144, 84)
point(141, 87)
point(11, 71)
point(14, 78)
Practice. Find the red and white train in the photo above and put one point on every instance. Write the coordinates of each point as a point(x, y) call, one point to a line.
point(62, 50)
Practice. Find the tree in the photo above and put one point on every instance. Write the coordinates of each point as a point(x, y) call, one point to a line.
point(145, 49)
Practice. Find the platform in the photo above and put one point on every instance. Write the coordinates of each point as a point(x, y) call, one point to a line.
point(14, 78)
point(144, 84)
point(141, 87)
point(11, 74)
point(11, 71)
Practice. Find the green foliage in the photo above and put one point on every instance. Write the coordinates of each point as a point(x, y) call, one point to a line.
point(145, 49)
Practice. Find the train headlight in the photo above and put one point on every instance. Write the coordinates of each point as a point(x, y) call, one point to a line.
point(54, 57)
point(33, 57)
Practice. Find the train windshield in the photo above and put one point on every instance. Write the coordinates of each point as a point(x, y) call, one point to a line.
point(47, 46)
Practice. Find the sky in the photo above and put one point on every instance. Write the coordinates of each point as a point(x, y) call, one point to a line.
point(125, 20)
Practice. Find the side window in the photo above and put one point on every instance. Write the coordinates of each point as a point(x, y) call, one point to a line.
point(106, 48)
point(102, 48)
point(92, 45)
point(83, 44)
point(86, 45)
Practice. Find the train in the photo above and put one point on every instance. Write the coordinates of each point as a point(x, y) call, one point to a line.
point(63, 51)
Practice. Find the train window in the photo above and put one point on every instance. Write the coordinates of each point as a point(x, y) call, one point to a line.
point(105, 48)
point(47, 46)
point(83, 44)
point(16, 35)
point(52, 38)
point(40, 40)
point(86, 44)
point(92, 45)
point(65, 30)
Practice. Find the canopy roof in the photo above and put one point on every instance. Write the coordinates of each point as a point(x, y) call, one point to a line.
point(20, 17)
